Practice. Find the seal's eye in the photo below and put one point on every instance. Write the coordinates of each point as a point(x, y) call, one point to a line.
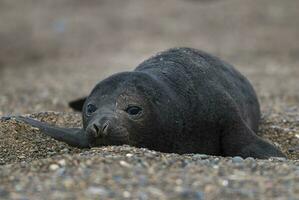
point(91, 108)
point(133, 110)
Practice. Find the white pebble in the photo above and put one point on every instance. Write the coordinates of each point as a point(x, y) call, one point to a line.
point(54, 167)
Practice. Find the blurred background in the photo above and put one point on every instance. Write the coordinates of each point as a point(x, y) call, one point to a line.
point(54, 51)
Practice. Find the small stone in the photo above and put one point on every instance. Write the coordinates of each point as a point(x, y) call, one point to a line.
point(23, 164)
point(129, 155)
point(117, 178)
point(62, 162)
point(280, 159)
point(21, 156)
point(225, 182)
point(65, 150)
point(88, 163)
point(68, 183)
point(210, 188)
point(3, 192)
point(51, 153)
point(215, 161)
point(126, 194)
point(18, 187)
point(205, 162)
point(60, 171)
point(156, 191)
point(97, 191)
point(142, 195)
point(200, 156)
point(237, 160)
point(124, 164)
point(54, 167)
point(250, 159)
point(189, 194)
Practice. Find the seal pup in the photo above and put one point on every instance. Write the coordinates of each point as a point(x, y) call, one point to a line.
point(181, 101)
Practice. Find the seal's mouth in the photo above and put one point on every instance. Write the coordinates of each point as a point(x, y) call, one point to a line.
point(113, 138)
point(92, 141)
point(97, 142)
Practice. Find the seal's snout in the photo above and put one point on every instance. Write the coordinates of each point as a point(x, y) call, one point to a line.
point(99, 130)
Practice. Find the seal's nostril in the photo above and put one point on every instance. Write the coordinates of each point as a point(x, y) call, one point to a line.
point(96, 128)
point(105, 128)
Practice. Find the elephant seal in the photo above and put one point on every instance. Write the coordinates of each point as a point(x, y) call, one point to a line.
point(181, 101)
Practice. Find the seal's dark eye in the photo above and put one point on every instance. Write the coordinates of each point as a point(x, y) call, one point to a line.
point(91, 108)
point(133, 110)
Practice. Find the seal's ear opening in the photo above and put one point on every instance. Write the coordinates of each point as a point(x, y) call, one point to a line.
point(77, 104)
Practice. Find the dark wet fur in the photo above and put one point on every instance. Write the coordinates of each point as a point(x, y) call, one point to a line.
point(199, 104)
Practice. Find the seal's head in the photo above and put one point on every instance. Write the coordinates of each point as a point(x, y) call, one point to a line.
point(126, 108)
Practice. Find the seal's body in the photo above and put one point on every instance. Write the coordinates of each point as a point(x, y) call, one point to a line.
point(181, 101)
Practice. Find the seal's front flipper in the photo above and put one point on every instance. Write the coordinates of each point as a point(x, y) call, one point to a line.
point(5, 118)
point(242, 141)
point(77, 104)
point(72, 136)
point(259, 148)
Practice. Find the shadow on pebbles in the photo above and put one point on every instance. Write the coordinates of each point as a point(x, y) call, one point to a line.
point(34, 166)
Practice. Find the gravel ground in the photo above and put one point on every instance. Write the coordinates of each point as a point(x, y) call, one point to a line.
point(54, 51)
point(130, 173)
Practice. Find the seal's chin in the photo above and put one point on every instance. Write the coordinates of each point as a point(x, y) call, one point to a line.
point(97, 142)
point(118, 139)
point(92, 141)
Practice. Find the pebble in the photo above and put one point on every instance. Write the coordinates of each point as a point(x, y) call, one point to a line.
point(205, 162)
point(297, 171)
point(129, 155)
point(142, 195)
point(215, 161)
point(200, 156)
point(61, 171)
point(23, 164)
point(18, 187)
point(237, 160)
point(3, 192)
point(250, 159)
point(2, 162)
point(65, 150)
point(190, 194)
point(51, 153)
point(68, 183)
point(224, 182)
point(156, 191)
point(124, 164)
point(101, 191)
point(62, 162)
point(53, 167)
point(126, 194)
point(21, 156)
point(280, 159)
